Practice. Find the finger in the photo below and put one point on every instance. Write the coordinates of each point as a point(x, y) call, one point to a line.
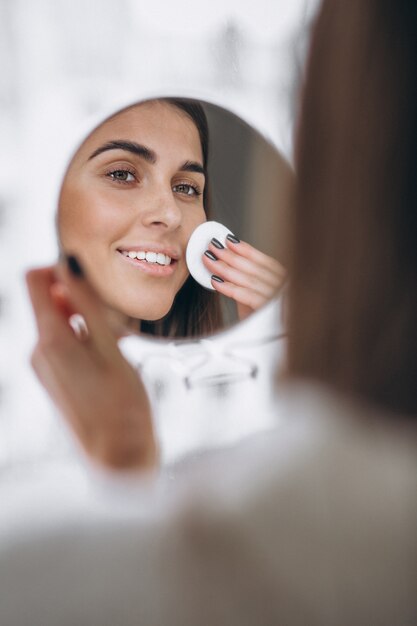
point(247, 251)
point(49, 319)
point(238, 278)
point(56, 343)
point(86, 302)
point(242, 295)
point(270, 275)
point(60, 297)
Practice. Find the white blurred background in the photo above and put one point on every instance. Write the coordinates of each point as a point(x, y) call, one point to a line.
point(60, 60)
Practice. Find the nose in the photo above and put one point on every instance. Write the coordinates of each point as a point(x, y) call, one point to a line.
point(160, 209)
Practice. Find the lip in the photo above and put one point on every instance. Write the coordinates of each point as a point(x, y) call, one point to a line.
point(152, 269)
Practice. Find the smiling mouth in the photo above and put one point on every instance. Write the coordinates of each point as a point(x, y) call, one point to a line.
point(152, 263)
point(158, 258)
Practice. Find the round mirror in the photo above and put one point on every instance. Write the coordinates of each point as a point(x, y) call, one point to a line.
point(143, 182)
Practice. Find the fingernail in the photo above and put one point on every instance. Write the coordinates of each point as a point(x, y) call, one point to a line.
point(216, 243)
point(217, 279)
point(74, 266)
point(210, 255)
point(233, 239)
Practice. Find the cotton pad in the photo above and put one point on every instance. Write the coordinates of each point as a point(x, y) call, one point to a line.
point(198, 244)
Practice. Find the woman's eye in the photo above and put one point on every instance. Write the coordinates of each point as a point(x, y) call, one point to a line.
point(122, 176)
point(187, 190)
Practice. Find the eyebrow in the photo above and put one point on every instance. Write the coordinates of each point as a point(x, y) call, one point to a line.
point(130, 146)
point(192, 166)
point(146, 153)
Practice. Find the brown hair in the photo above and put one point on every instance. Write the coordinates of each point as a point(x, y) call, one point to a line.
point(195, 311)
point(353, 295)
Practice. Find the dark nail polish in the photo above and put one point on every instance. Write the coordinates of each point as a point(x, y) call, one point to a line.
point(210, 255)
point(233, 239)
point(216, 243)
point(217, 279)
point(74, 266)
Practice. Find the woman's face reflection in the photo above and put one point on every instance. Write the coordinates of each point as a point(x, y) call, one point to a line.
point(131, 198)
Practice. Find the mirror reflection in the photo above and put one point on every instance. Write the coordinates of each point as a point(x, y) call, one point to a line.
point(140, 185)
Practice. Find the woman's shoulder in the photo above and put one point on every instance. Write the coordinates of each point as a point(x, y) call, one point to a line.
point(315, 431)
point(323, 503)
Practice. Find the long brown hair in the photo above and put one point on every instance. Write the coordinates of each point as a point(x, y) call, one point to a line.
point(353, 292)
point(195, 311)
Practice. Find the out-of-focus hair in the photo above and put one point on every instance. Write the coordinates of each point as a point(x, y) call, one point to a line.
point(353, 292)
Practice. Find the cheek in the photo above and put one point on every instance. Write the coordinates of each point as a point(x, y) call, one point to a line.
point(194, 219)
point(85, 217)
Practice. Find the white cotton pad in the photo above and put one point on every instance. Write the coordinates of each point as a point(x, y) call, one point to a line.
point(198, 244)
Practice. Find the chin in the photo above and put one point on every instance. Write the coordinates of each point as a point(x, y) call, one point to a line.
point(149, 313)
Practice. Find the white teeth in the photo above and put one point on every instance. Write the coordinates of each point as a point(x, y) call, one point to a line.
point(150, 257)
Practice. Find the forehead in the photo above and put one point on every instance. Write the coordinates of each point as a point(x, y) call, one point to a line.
point(158, 125)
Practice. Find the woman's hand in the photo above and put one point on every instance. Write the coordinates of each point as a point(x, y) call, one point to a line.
point(243, 273)
point(94, 387)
